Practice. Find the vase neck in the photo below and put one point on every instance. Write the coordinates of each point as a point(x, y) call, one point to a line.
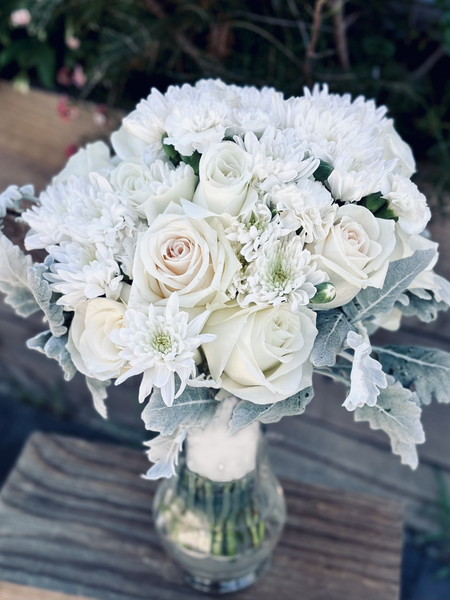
point(214, 454)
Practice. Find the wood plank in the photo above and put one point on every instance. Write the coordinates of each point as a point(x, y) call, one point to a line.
point(12, 591)
point(76, 518)
point(30, 127)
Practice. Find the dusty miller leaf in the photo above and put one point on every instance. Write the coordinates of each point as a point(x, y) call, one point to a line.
point(99, 394)
point(45, 298)
point(366, 375)
point(333, 327)
point(425, 310)
point(164, 451)
point(14, 279)
point(400, 274)
point(427, 369)
point(194, 408)
point(245, 412)
point(55, 348)
point(397, 413)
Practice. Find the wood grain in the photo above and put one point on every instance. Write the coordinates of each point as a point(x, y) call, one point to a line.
point(75, 518)
point(13, 591)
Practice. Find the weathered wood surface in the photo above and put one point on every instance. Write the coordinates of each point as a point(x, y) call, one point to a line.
point(323, 446)
point(76, 518)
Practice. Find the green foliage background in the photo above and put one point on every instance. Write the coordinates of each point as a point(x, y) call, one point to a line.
point(395, 51)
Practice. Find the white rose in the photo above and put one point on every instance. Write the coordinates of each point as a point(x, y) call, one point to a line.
point(92, 352)
point(178, 254)
point(150, 189)
point(408, 204)
point(225, 181)
point(262, 354)
point(394, 147)
point(127, 145)
point(95, 157)
point(355, 253)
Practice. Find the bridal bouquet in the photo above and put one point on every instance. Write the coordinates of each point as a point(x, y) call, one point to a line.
point(232, 244)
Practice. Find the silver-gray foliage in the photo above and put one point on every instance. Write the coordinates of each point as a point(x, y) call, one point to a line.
point(400, 274)
point(396, 412)
point(194, 408)
point(425, 310)
point(333, 327)
point(14, 266)
point(427, 369)
point(45, 298)
point(54, 347)
point(164, 451)
point(99, 394)
point(246, 412)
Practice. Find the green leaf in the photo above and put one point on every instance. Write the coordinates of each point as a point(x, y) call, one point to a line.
point(333, 327)
point(386, 213)
point(401, 273)
point(54, 347)
point(323, 171)
point(164, 451)
point(194, 408)
point(99, 394)
point(45, 298)
point(425, 310)
point(373, 202)
point(246, 412)
point(14, 266)
point(396, 413)
point(427, 369)
point(46, 65)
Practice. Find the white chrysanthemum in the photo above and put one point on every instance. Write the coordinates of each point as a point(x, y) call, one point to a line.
point(409, 204)
point(308, 206)
point(11, 195)
point(83, 272)
point(254, 229)
point(277, 158)
point(255, 111)
point(193, 118)
point(160, 344)
point(282, 272)
point(87, 212)
point(345, 134)
point(147, 122)
point(136, 182)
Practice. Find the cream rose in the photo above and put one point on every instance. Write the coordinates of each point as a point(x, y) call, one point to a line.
point(178, 254)
point(261, 354)
point(355, 253)
point(150, 189)
point(92, 352)
point(225, 181)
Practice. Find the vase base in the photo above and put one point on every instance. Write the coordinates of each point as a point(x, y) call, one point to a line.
point(209, 586)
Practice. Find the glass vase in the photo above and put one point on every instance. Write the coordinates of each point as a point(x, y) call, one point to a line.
point(220, 516)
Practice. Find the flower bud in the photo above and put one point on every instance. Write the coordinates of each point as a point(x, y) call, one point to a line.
point(323, 171)
point(326, 292)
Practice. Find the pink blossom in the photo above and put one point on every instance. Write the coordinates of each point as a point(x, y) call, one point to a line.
point(73, 42)
point(79, 77)
point(20, 17)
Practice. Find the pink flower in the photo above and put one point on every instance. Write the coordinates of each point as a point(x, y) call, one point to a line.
point(79, 77)
point(65, 111)
point(63, 77)
point(20, 17)
point(73, 42)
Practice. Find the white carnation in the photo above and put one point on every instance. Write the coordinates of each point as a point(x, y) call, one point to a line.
point(308, 206)
point(409, 205)
point(149, 189)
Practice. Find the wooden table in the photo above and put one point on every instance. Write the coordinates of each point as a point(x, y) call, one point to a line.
point(76, 522)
